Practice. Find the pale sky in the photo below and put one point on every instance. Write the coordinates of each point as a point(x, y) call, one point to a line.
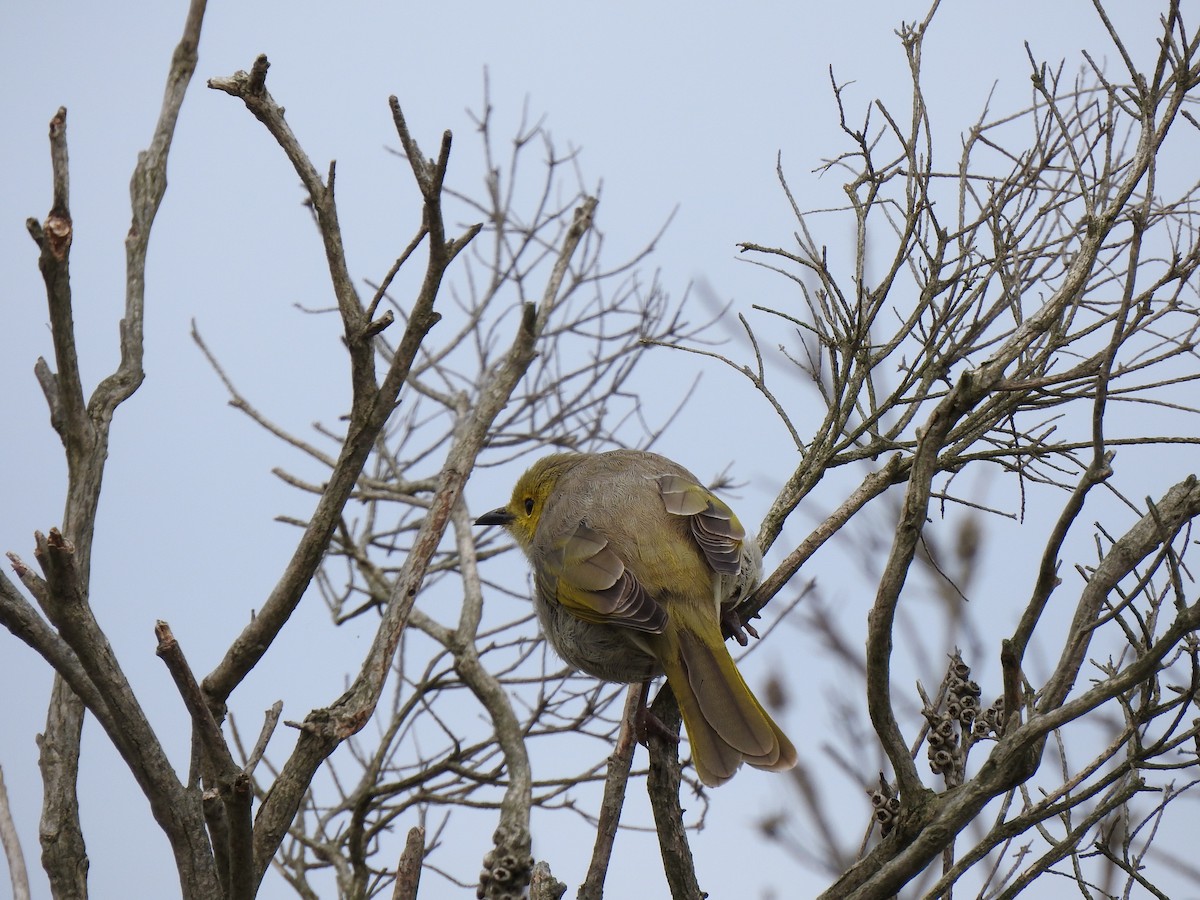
point(673, 105)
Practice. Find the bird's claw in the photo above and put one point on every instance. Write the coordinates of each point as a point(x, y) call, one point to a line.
point(647, 724)
point(732, 626)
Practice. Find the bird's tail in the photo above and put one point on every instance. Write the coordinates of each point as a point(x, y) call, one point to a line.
point(725, 723)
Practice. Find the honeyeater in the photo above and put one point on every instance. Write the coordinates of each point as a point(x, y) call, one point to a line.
point(634, 565)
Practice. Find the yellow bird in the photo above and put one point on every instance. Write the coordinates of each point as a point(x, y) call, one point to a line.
point(634, 564)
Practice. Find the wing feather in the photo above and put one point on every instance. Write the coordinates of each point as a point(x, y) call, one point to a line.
point(584, 574)
point(713, 525)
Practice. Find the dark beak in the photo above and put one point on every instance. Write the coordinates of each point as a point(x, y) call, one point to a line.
point(499, 516)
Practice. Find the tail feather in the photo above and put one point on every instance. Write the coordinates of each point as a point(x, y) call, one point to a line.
point(724, 699)
point(715, 760)
point(725, 723)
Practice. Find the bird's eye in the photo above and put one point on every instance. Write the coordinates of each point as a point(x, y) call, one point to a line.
point(529, 506)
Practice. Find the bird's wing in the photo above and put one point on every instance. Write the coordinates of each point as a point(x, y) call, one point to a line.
point(713, 524)
point(583, 573)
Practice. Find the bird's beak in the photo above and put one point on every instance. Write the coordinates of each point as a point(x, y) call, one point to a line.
point(499, 516)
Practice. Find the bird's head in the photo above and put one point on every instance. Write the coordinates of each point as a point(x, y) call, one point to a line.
point(520, 516)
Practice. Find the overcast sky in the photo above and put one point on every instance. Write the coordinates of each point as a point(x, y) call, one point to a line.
point(673, 105)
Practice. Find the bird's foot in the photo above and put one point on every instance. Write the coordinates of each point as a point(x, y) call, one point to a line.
point(732, 626)
point(646, 725)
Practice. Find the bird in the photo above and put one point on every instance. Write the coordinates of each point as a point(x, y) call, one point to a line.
point(635, 567)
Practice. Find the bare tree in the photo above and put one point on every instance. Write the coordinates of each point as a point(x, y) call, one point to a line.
point(997, 312)
point(992, 314)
